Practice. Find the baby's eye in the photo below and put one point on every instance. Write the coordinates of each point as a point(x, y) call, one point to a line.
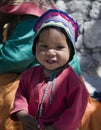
point(44, 46)
point(60, 47)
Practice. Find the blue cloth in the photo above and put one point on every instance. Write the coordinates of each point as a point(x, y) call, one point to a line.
point(16, 53)
point(97, 96)
point(75, 64)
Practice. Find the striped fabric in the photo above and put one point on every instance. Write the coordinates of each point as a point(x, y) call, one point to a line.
point(58, 18)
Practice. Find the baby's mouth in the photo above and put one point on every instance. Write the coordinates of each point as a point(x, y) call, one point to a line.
point(50, 61)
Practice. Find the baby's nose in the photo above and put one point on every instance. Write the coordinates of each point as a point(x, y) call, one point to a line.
point(51, 52)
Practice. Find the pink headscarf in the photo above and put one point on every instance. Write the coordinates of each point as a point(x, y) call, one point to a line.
point(33, 7)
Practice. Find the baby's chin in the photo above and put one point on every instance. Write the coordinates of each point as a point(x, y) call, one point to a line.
point(56, 69)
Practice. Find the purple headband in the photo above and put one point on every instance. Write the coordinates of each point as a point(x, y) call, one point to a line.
point(57, 18)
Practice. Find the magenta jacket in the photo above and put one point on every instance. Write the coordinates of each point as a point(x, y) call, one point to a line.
point(68, 104)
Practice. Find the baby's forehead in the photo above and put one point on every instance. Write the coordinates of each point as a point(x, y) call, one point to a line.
point(52, 36)
point(49, 29)
point(52, 31)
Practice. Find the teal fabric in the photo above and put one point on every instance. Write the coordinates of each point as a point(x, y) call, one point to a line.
point(75, 64)
point(16, 53)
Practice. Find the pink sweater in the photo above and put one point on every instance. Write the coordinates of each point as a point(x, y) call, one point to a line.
point(69, 98)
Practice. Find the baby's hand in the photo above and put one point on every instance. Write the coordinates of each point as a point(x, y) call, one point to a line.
point(28, 122)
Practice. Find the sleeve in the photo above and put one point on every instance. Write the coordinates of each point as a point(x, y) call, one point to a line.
point(77, 101)
point(21, 98)
point(75, 64)
point(16, 53)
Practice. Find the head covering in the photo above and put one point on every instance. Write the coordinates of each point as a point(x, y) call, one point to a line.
point(33, 7)
point(57, 18)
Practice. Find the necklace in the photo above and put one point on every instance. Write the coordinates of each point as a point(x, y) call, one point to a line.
point(46, 91)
